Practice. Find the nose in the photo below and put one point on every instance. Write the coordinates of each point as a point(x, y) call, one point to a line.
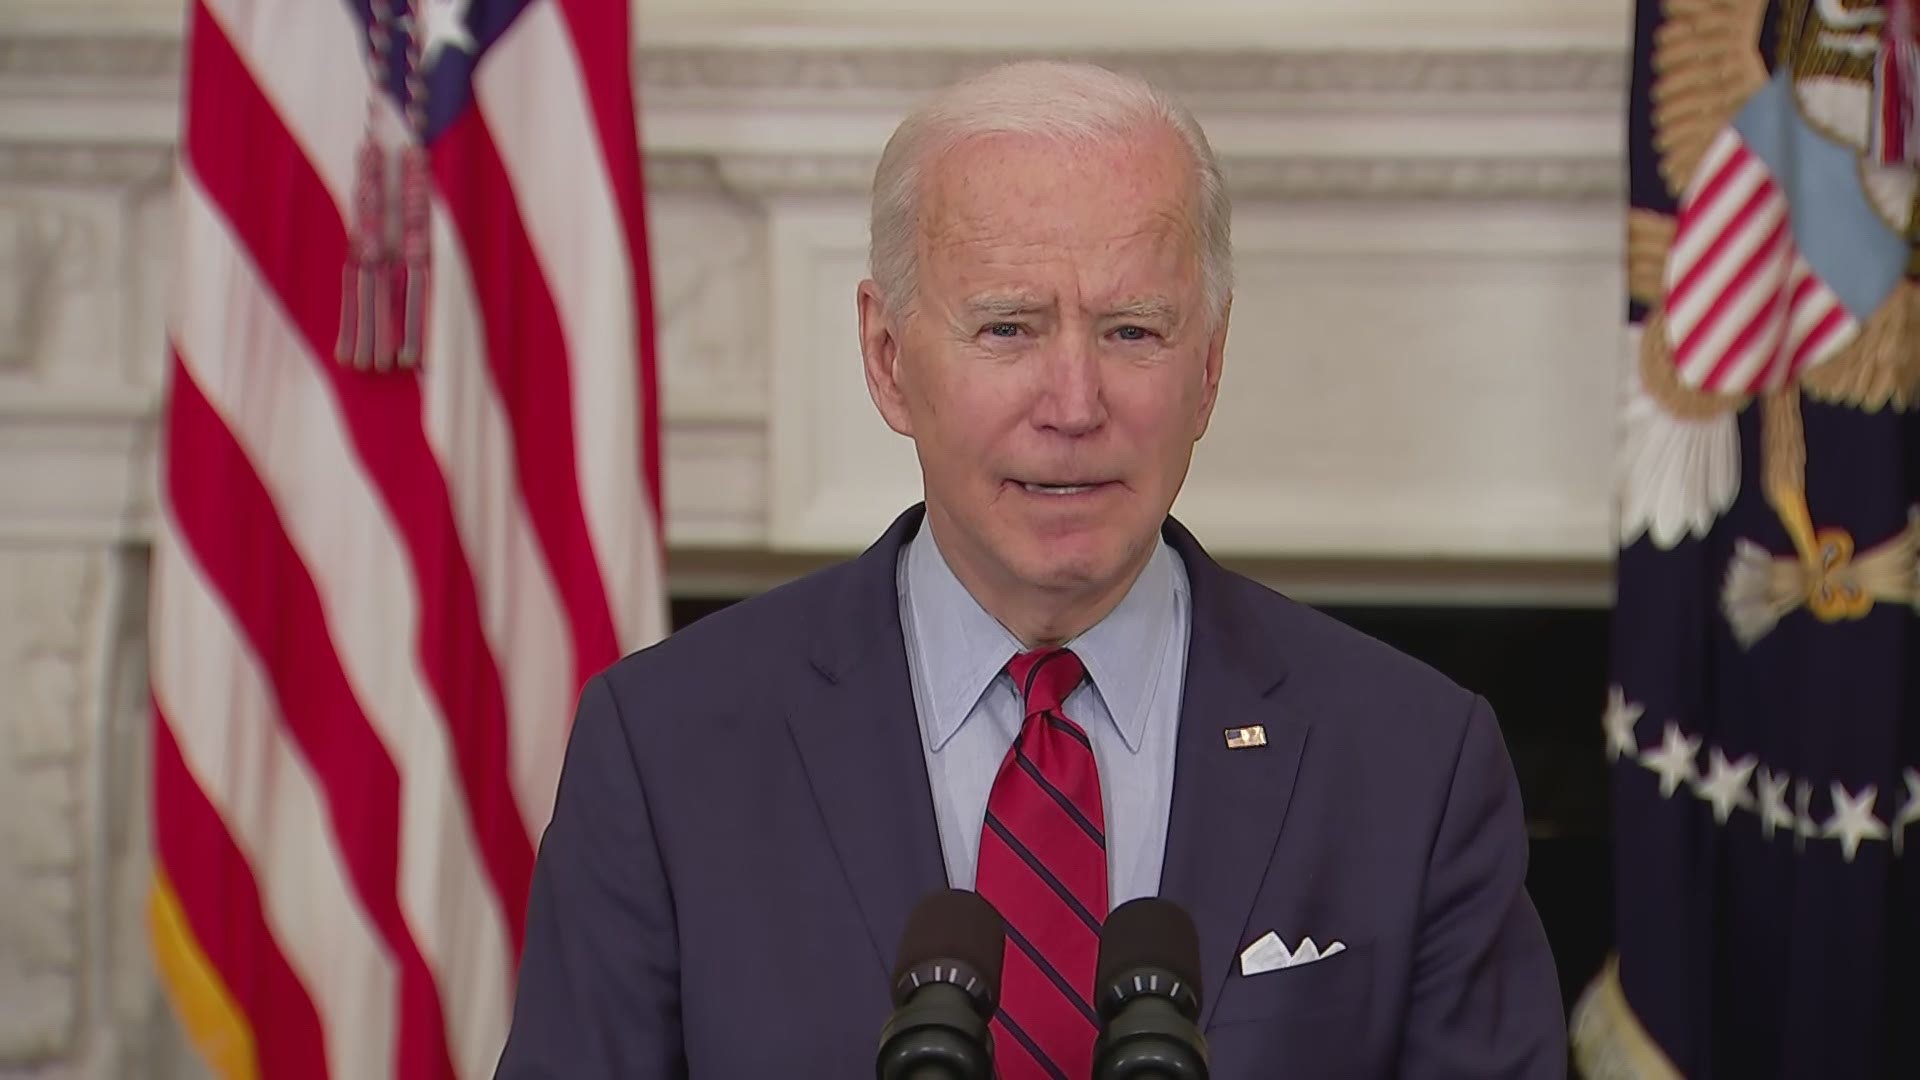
point(1071, 400)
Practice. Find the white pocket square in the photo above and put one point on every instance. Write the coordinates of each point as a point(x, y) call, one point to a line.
point(1272, 954)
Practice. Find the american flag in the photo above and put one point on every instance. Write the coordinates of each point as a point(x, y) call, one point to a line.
point(380, 576)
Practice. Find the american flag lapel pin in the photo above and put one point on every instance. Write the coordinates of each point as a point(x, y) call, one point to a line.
point(1242, 738)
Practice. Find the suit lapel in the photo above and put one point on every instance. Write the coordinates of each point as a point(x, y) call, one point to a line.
point(855, 728)
point(1228, 804)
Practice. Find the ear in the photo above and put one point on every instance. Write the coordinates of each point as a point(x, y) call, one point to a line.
point(880, 357)
point(1210, 377)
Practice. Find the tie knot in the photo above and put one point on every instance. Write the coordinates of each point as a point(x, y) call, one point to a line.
point(1045, 677)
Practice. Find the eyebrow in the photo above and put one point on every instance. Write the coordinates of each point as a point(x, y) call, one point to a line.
point(1146, 308)
point(1005, 304)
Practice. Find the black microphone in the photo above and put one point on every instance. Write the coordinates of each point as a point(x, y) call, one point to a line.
point(1149, 995)
point(946, 984)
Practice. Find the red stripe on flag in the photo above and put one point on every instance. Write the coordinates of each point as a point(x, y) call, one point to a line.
point(1817, 338)
point(1770, 321)
point(221, 902)
point(1728, 233)
point(228, 520)
point(1730, 294)
point(1777, 248)
point(527, 352)
point(384, 418)
point(1710, 191)
point(602, 35)
point(1806, 290)
point(1803, 288)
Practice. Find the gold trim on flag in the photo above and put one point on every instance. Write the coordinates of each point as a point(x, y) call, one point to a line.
point(1608, 1041)
point(207, 1011)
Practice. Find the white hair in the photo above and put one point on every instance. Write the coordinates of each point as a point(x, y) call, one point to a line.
point(1070, 102)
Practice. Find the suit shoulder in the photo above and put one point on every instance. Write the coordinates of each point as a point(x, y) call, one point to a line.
point(1383, 720)
point(1386, 690)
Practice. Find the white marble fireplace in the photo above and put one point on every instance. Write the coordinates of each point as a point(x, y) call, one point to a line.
point(1421, 375)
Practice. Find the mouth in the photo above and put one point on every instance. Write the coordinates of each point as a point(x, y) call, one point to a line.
point(1063, 489)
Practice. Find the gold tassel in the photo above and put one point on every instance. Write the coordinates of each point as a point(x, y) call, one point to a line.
point(410, 286)
point(361, 299)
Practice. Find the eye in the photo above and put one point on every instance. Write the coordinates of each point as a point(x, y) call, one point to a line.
point(1133, 333)
point(1002, 330)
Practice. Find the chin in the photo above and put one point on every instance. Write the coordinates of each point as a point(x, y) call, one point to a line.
point(1072, 564)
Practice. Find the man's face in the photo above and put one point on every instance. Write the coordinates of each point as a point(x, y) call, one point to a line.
point(1057, 363)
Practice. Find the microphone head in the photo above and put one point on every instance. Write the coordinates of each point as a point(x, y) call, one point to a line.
point(1148, 946)
point(955, 937)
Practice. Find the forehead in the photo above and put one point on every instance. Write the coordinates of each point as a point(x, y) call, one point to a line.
point(1020, 192)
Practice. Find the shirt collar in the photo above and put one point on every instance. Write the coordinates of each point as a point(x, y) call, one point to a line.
point(963, 648)
point(1124, 652)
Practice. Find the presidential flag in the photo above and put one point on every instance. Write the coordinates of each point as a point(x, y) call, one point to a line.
point(409, 503)
point(1763, 722)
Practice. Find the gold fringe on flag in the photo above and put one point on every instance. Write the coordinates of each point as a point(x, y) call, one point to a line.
point(212, 1019)
point(1608, 1041)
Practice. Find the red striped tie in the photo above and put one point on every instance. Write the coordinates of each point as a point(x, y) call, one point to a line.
point(1043, 865)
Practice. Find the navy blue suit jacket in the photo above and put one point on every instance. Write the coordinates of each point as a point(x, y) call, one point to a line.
point(744, 822)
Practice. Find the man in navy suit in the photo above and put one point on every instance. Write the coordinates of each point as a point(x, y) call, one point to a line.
point(1037, 685)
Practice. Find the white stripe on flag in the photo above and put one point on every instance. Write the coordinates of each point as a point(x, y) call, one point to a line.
point(1717, 276)
point(258, 375)
point(309, 60)
point(1811, 308)
point(536, 107)
point(1759, 292)
point(521, 611)
point(1707, 221)
point(1807, 315)
point(1724, 146)
point(1820, 347)
point(210, 688)
point(1688, 239)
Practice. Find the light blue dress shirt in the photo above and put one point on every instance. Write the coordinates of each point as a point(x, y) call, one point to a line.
point(970, 711)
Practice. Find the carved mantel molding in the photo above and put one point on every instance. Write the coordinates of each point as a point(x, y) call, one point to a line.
point(1261, 78)
point(67, 162)
point(72, 76)
point(1531, 76)
point(1559, 177)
